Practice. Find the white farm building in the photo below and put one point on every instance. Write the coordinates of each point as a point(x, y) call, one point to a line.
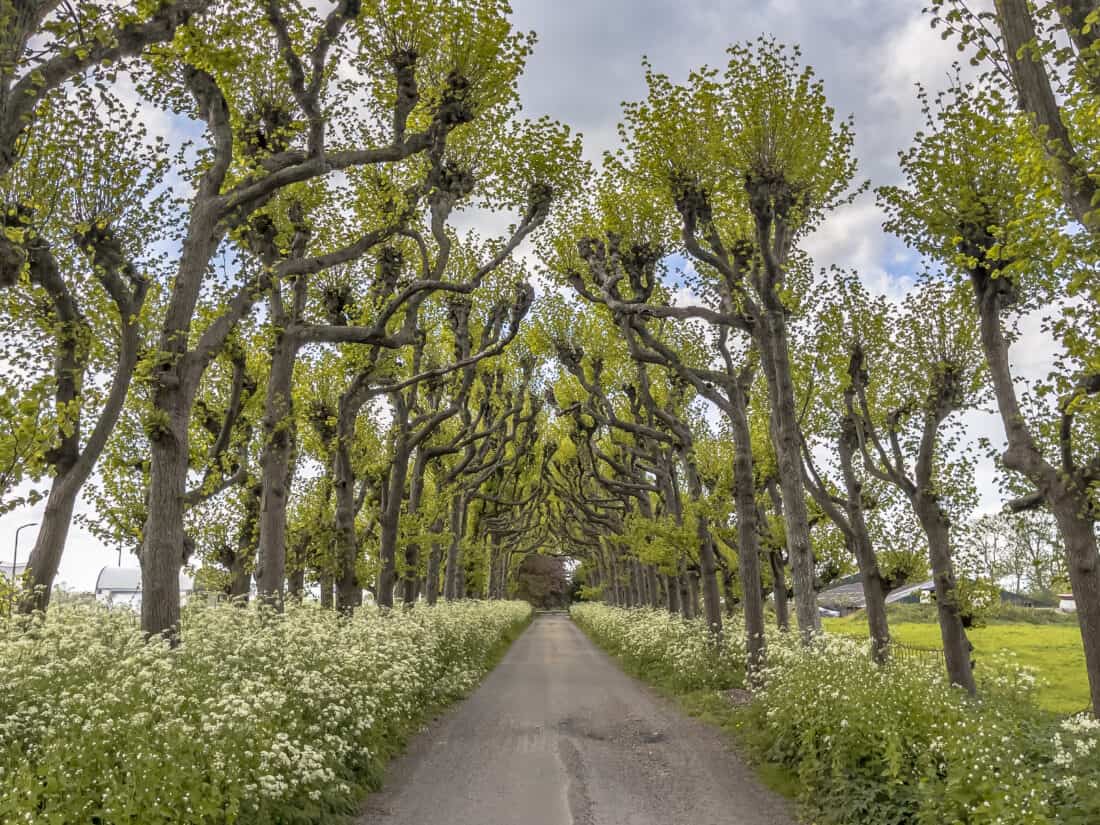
point(122, 586)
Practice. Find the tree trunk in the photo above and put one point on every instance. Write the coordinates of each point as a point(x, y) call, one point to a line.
point(712, 599)
point(411, 591)
point(53, 531)
point(240, 580)
point(786, 435)
point(454, 552)
point(276, 470)
point(687, 595)
point(748, 542)
point(708, 567)
point(1083, 560)
point(654, 587)
point(296, 583)
point(49, 544)
point(672, 592)
point(163, 548)
point(779, 589)
point(635, 579)
point(435, 558)
point(874, 589)
point(349, 591)
point(495, 559)
point(391, 521)
point(1067, 500)
point(327, 584)
point(1036, 97)
point(956, 647)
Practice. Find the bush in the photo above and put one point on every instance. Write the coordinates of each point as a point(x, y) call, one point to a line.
point(893, 745)
point(255, 718)
point(665, 648)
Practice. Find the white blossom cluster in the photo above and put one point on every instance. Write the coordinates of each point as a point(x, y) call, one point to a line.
point(872, 743)
point(647, 639)
point(256, 717)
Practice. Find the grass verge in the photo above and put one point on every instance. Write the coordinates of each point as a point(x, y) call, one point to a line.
point(1053, 651)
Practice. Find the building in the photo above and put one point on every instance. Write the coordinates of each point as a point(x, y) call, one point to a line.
point(1066, 603)
point(6, 569)
point(122, 586)
point(846, 595)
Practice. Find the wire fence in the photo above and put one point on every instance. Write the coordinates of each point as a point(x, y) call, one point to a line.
point(905, 652)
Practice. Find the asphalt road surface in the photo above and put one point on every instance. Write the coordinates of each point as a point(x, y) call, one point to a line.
point(559, 735)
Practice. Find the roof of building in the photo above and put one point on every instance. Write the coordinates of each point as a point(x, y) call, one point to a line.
point(845, 592)
point(5, 568)
point(899, 593)
point(848, 592)
point(128, 580)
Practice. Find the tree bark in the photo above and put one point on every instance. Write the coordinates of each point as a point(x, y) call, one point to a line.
point(77, 463)
point(276, 470)
point(874, 588)
point(779, 589)
point(786, 436)
point(654, 587)
point(748, 542)
point(163, 548)
point(435, 559)
point(391, 519)
point(349, 591)
point(688, 595)
point(956, 647)
point(451, 590)
point(1036, 97)
point(327, 583)
point(672, 592)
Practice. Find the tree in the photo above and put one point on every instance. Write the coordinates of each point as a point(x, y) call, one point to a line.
point(421, 87)
point(88, 200)
point(745, 164)
point(929, 370)
point(979, 199)
point(847, 321)
point(542, 581)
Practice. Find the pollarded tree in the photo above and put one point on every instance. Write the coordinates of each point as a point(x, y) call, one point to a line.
point(905, 384)
point(845, 320)
point(272, 93)
point(354, 306)
point(748, 162)
point(659, 411)
point(88, 201)
point(979, 199)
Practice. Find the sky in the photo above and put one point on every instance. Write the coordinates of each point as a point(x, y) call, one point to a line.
point(869, 53)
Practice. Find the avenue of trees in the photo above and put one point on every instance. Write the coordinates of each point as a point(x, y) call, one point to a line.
point(272, 349)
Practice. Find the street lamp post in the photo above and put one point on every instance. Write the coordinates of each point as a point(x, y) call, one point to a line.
point(15, 562)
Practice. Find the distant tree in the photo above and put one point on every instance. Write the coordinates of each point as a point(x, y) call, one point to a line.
point(542, 580)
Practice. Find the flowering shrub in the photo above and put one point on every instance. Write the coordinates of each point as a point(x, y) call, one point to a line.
point(255, 718)
point(893, 744)
point(664, 647)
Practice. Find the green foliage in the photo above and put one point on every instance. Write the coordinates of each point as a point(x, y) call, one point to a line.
point(665, 648)
point(256, 718)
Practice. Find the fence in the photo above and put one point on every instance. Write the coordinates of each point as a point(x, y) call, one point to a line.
point(921, 654)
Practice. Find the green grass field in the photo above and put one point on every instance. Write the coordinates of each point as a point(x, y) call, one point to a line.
point(1053, 650)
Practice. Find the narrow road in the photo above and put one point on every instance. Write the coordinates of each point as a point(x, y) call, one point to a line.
point(559, 735)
